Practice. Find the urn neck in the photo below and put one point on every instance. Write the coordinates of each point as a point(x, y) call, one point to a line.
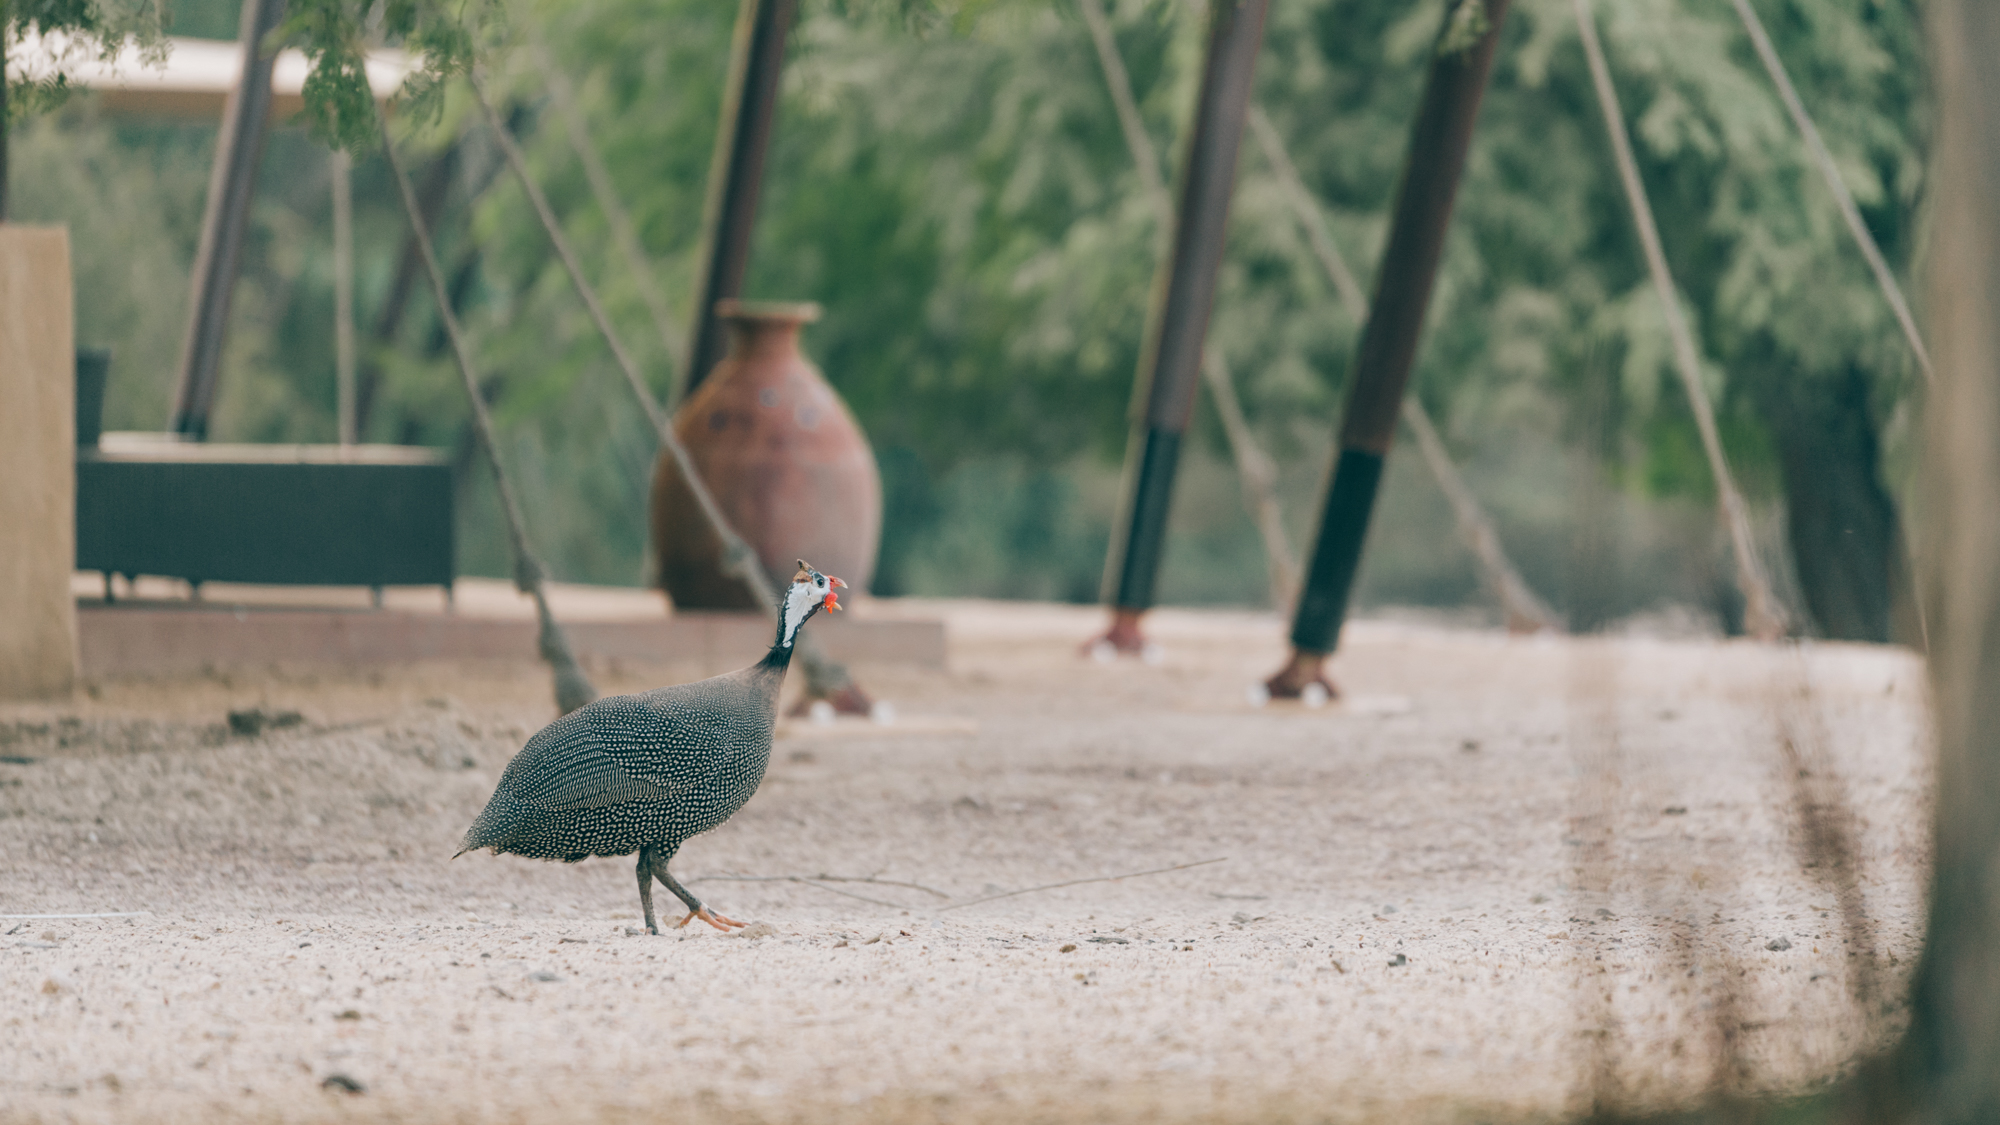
point(764, 328)
point(762, 338)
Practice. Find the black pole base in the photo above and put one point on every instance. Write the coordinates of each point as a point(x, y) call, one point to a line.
point(1146, 534)
point(1301, 674)
point(1123, 638)
point(1336, 558)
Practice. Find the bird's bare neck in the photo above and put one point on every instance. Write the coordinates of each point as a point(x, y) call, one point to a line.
point(778, 659)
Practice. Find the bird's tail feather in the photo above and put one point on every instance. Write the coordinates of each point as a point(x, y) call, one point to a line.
point(494, 827)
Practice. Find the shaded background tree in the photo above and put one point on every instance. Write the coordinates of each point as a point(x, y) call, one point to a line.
point(951, 184)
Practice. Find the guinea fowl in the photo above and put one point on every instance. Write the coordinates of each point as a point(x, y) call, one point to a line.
point(645, 772)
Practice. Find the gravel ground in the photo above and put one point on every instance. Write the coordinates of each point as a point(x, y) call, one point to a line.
point(1505, 878)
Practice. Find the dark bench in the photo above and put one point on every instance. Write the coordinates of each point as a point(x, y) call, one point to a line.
point(306, 515)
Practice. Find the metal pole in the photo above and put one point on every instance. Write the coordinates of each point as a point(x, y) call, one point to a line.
point(343, 293)
point(231, 185)
point(1170, 366)
point(1255, 470)
point(1525, 612)
point(1388, 349)
point(736, 173)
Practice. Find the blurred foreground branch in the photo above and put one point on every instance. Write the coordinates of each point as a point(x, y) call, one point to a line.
point(1950, 1064)
point(1946, 1069)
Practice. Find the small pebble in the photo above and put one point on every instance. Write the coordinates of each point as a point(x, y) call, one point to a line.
point(1778, 944)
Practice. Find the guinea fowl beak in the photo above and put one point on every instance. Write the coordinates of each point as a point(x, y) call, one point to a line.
point(832, 599)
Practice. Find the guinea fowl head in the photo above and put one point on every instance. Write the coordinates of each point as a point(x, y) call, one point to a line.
point(809, 592)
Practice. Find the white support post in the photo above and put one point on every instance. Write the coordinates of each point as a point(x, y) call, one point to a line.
point(343, 293)
point(38, 638)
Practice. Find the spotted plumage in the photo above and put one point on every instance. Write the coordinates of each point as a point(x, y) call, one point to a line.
point(642, 773)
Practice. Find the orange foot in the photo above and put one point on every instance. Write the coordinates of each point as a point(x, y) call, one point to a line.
point(713, 919)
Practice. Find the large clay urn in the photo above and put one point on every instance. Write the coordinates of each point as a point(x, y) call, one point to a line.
point(784, 458)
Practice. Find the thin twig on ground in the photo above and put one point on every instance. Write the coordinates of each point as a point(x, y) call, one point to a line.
point(822, 879)
point(821, 887)
point(108, 914)
point(1081, 882)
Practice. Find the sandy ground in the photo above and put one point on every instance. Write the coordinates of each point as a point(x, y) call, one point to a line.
point(1506, 877)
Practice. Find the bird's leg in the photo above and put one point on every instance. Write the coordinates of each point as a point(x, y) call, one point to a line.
point(646, 887)
point(695, 908)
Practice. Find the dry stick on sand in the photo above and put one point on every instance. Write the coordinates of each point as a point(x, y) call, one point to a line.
point(1525, 611)
point(573, 688)
point(820, 879)
point(110, 914)
point(824, 676)
point(1763, 617)
point(623, 232)
point(803, 882)
point(819, 882)
point(1081, 882)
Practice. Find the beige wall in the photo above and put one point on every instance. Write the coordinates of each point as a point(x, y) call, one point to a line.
point(37, 464)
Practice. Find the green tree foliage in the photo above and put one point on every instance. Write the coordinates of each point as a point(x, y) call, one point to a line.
point(951, 184)
point(445, 39)
point(67, 32)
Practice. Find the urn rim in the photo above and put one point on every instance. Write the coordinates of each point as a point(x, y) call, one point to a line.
point(780, 312)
